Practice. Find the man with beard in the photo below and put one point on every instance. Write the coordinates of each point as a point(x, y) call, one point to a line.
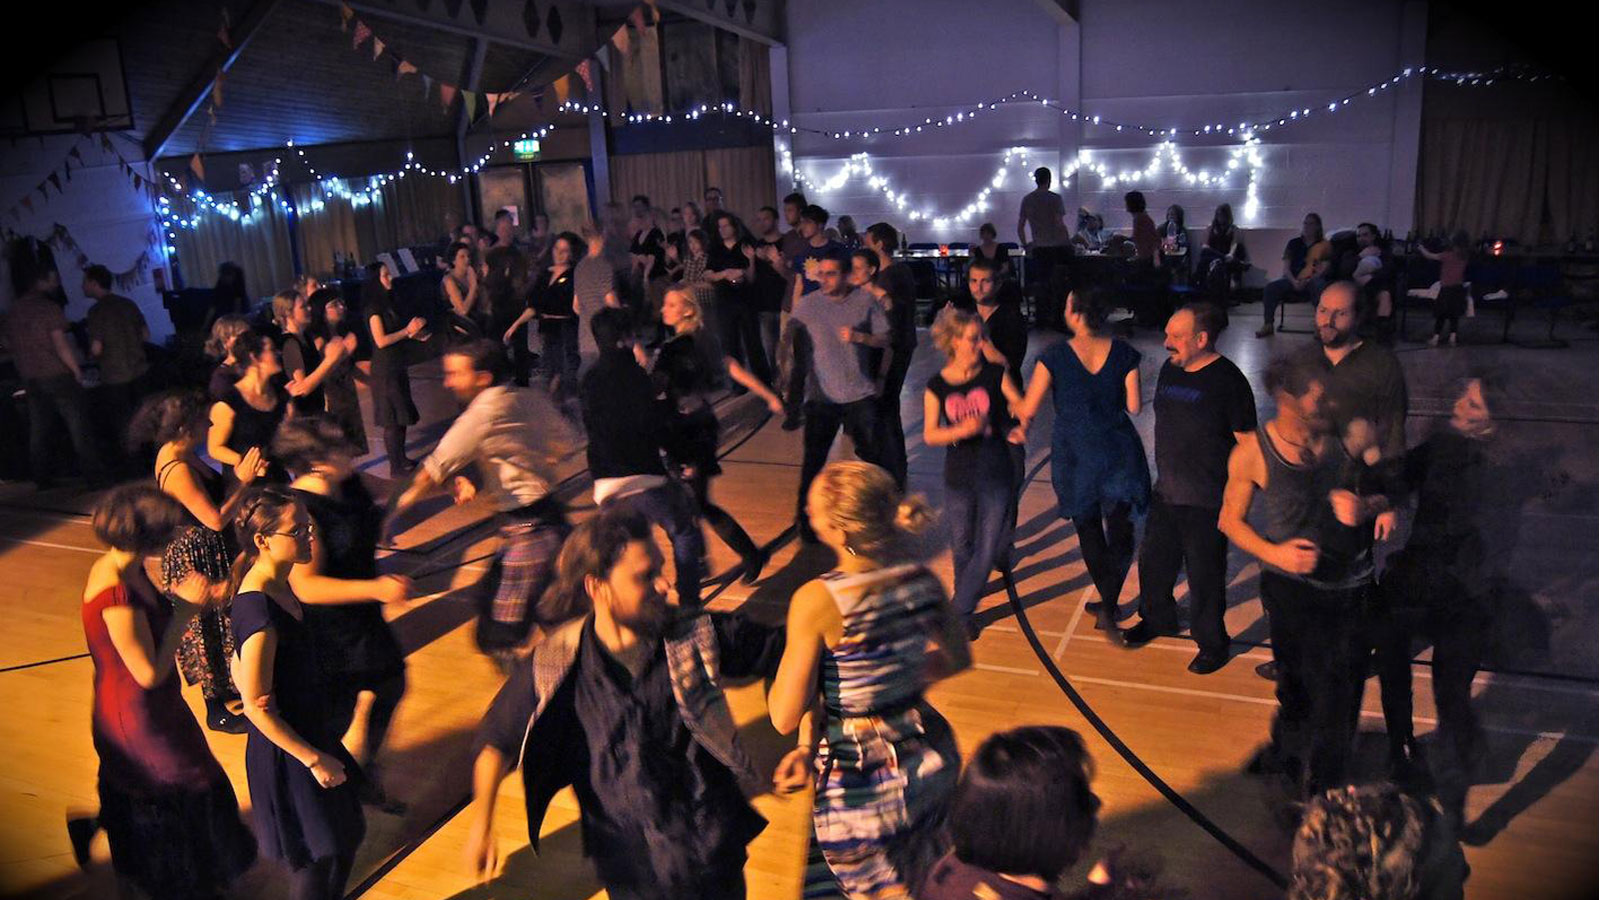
point(1315, 547)
point(625, 705)
point(513, 437)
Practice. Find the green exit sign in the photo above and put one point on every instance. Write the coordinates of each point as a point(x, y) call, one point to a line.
point(527, 148)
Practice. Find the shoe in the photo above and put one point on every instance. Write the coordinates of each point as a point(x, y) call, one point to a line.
point(1106, 621)
point(1205, 663)
point(1406, 767)
point(1266, 330)
point(792, 420)
point(1266, 761)
point(753, 566)
point(1145, 632)
point(402, 468)
point(1452, 339)
point(220, 718)
point(1433, 341)
point(372, 794)
point(1268, 670)
point(81, 831)
point(973, 627)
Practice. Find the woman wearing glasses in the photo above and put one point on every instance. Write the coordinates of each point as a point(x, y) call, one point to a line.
point(308, 811)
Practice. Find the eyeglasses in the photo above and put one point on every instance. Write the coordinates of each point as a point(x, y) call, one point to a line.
point(307, 530)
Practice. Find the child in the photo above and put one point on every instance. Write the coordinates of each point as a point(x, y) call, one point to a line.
point(1451, 303)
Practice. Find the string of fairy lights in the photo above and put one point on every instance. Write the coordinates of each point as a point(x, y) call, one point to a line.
point(1244, 155)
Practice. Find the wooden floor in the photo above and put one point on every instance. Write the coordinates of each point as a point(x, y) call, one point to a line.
point(1532, 817)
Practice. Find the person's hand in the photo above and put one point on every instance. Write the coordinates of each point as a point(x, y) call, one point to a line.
point(1383, 526)
point(1346, 507)
point(793, 773)
point(327, 770)
point(392, 589)
point(193, 593)
point(774, 405)
point(847, 334)
point(297, 387)
point(1297, 556)
point(250, 467)
point(972, 426)
point(1017, 435)
point(416, 326)
point(687, 473)
point(336, 349)
point(483, 852)
point(508, 336)
point(463, 490)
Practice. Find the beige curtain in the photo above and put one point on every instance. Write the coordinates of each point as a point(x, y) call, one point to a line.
point(755, 76)
point(1507, 177)
point(746, 176)
point(402, 213)
point(259, 244)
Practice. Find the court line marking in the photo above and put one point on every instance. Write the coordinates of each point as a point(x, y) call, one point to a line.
point(32, 543)
point(1009, 670)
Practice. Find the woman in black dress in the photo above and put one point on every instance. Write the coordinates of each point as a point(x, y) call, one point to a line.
point(176, 424)
point(343, 591)
point(649, 253)
point(246, 415)
point(553, 303)
point(307, 362)
point(731, 268)
point(339, 386)
point(989, 249)
point(220, 349)
point(688, 369)
point(307, 810)
point(392, 407)
point(1222, 258)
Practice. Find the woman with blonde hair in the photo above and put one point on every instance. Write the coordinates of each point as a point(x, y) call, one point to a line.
point(865, 642)
point(306, 362)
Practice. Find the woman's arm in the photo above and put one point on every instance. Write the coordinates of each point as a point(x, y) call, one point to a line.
point(1130, 388)
point(523, 319)
point(148, 663)
point(936, 435)
point(333, 353)
point(740, 374)
point(794, 688)
point(460, 305)
point(315, 588)
point(381, 338)
point(252, 673)
point(1038, 385)
point(221, 430)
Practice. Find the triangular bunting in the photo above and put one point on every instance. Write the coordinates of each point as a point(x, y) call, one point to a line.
point(44, 193)
point(404, 68)
point(377, 48)
point(584, 72)
point(55, 179)
point(138, 183)
point(447, 94)
point(224, 37)
point(427, 85)
point(494, 100)
point(105, 142)
point(637, 18)
point(362, 33)
point(197, 167)
point(345, 15)
point(622, 41)
point(563, 88)
point(216, 89)
point(75, 154)
point(471, 101)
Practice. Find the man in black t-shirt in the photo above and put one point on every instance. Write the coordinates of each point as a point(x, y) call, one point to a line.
point(1203, 404)
point(896, 288)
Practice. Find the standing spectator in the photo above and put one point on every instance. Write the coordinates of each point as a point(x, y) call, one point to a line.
point(1146, 240)
point(849, 237)
point(1451, 303)
point(222, 347)
point(594, 287)
point(513, 437)
point(462, 290)
point(392, 407)
point(865, 642)
point(229, 296)
point(967, 408)
point(713, 198)
point(649, 253)
point(988, 249)
point(830, 330)
point(247, 416)
point(689, 368)
point(117, 335)
point(1307, 261)
point(772, 282)
point(1315, 547)
point(1203, 406)
point(307, 808)
point(731, 268)
point(816, 247)
point(1023, 814)
point(1044, 215)
point(505, 285)
point(169, 813)
point(540, 240)
point(895, 289)
point(1223, 256)
point(339, 387)
point(36, 333)
point(629, 425)
point(343, 593)
point(1097, 462)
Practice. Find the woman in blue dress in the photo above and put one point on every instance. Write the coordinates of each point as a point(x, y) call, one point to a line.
point(1097, 462)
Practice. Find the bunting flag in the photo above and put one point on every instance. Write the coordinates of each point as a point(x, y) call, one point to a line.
point(470, 100)
point(28, 202)
point(447, 95)
point(404, 69)
point(493, 100)
point(563, 88)
point(584, 72)
point(427, 85)
point(622, 40)
point(377, 48)
point(637, 17)
point(197, 167)
point(362, 33)
point(43, 193)
point(345, 15)
point(75, 154)
point(223, 36)
point(216, 88)
point(604, 59)
point(55, 179)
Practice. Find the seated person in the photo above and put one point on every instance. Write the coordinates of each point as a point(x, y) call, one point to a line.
point(988, 248)
point(1307, 265)
point(1091, 234)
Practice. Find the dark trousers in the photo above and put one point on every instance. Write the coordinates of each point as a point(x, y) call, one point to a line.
point(670, 507)
point(558, 355)
point(114, 406)
point(823, 420)
point(1185, 537)
point(1049, 285)
point(740, 330)
point(1320, 641)
point(725, 525)
point(891, 430)
point(521, 357)
point(981, 513)
point(53, 402)
point(1276, 293)
point(1106, 541)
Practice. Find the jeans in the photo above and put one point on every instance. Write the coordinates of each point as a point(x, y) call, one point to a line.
point(980, 513)
point(768, 324)
point(558, 355)
point(1276, 293)
point(1106, 541)
point(1320, 642)
point(1185, 537)
point(669, 506)
point(51, 402)
point(891, 430)
point(823, 420)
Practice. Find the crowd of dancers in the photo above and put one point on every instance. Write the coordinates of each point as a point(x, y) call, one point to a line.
point(270, 598)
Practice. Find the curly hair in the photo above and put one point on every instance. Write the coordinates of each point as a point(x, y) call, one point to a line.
point(168, 416)
point(1359, 843)
point(949, 325)
point(861, 500)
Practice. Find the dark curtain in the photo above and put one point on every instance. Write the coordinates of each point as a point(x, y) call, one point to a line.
point(1533, 180)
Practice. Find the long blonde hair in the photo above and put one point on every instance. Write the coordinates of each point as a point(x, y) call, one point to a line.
point(861, 500)
point(694, 313)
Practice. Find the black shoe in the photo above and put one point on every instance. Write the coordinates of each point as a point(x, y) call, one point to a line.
point(1205, 663)
point(220, 718)
point(402, 468)
point(373, 794)
point(753, 566)
point(1106, 621)
point(1266, 761)
point(1268, 670)
point(1093, 607)
point(974, 628)
point(81, 830)
point(1145, 632)
point(792, 420)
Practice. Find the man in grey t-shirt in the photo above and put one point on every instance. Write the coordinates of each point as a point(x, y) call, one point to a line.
point(831, 330)
point(1045, 215)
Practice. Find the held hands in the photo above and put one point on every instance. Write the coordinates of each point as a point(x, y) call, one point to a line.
point(1383, 526)
point(328, 770)
point(392, 589)
point(1297, 556)
point(971, 427)
point(416, 326)
point(251, 467)
point(1346, 507)
point(463, 490)
point(847, 334)
point(793, 773)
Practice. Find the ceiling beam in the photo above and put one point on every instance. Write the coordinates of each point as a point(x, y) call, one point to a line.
point(496, 27)
point(199, 87)
point(766, 28)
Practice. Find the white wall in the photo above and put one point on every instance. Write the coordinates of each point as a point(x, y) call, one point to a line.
point(105, 216)
point(1171, 63)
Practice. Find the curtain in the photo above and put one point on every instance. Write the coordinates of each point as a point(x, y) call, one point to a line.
point(755, 76)
point(402, 213)
point(746, 176)
point(1508, 177)
point(260, 245)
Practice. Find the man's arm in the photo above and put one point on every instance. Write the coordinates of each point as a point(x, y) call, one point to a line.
point(1247, 471)
point(64, 352)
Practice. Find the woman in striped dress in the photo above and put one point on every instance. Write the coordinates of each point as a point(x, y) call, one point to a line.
point(865, 642)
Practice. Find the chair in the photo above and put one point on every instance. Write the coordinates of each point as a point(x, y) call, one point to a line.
point(1542, 287)
point(1416, 274)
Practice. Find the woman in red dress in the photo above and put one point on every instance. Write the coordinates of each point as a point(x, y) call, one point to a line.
point(167, 808)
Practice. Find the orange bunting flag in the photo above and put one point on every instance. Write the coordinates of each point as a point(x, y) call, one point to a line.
point(377, 48)
point(447, 94)
point(470, 100)
point(345, 15)
point(197, 167)
point(586, 73)
point(563, 88)
point(216, 89)
point(494, 100)
point(362, 33)
point(404, 69)
point(622, 41)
